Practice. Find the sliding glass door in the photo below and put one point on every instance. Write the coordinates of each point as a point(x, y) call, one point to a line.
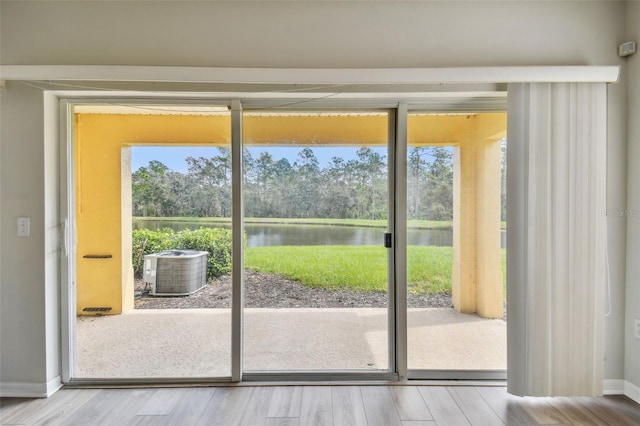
point(316, 213)
point(313, 278)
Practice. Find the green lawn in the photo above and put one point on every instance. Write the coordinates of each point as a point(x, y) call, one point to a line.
point(356, 267)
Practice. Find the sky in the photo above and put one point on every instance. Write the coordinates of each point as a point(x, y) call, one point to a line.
point(175, 157)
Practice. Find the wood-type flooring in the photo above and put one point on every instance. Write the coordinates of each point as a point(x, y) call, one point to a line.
point(340, 405)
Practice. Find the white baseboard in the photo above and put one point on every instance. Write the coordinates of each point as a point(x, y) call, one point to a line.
point(621, 387)
point(632, 391)
point(30, 390)
point(53, 385)
point(613, 387)
point(23, 390)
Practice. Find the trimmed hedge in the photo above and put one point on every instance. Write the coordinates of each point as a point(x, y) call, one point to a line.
point(216, 241)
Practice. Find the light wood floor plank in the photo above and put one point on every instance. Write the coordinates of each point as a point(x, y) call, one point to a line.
point(317, 405)
point(282, 421)
point(444, 409)
point(286, 402)
point(18, 410)
point(505, 405)
point(605, 413)
point(576, 414)
point(542, 412)
point(316, 408)
point(476, 409)
point(161, 403)
point(10, 408)
point(61, 409)
point(237, 406)
point(51, 411)
point(256, 406)
point(150, 420)
point(188, 407)
point(409, 403)
point(621, 405)
point(215, 408)
point(379, 406)
point(348, 408)
point(110, 407)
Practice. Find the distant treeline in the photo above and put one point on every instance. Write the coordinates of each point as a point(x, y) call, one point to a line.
point(345, 189)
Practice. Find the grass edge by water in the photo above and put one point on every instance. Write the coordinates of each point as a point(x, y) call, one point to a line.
point(360, 268)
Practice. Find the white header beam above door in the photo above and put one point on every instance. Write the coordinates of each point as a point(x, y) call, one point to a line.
point(332, 76)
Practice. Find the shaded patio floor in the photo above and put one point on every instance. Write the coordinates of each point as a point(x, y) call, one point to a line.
point(196, 342)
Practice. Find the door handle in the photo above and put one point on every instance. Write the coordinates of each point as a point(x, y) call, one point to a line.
point(388, 240)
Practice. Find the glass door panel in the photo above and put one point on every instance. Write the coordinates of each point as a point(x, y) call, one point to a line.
point(316, 210)
point(454, 257)
point(153, 242)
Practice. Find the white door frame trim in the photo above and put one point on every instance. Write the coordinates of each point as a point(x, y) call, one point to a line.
point(339, 76)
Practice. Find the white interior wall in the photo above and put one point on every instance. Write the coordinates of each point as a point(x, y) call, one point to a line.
point(309, 33)
point(22, 289)
point(632, 355)
point(616, 232)
point(271, 34)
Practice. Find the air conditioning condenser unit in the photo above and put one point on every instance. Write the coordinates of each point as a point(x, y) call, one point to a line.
point(176, 272)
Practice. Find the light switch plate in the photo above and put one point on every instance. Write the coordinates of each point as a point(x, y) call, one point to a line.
point(24, 227)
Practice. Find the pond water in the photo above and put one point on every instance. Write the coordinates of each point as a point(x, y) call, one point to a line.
point(261, 235)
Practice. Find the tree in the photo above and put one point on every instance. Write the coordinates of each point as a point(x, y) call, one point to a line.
point(284, 176)
point(307, 194)
point(265, 172)
point(336, 200)
point(148, 187)
point(355, 188)
point(213, 182)
point(372, 188)
point(416, 180)
point(440, 192)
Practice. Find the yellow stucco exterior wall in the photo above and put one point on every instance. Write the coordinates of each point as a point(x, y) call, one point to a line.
point(103, 195)
point(321, 129)
point(103, 188)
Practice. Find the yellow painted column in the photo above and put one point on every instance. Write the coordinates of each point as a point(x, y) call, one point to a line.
point(463, 291)
point(489, 283)
point(477, 285)
point(98, 219)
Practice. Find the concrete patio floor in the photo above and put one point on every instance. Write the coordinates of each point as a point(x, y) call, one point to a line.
point(196, 342)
